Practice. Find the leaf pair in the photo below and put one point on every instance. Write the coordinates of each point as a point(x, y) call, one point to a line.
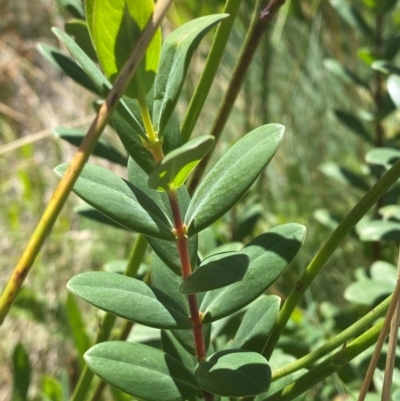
point(150, 374)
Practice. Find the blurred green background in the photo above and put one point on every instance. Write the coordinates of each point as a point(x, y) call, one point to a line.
point(287, 83)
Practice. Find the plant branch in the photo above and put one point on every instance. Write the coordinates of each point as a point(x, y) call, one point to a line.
point(256, 30)
point(328, 366)
point(207, 77)
point(334, 342)
point(66, 183)
point(327, 249)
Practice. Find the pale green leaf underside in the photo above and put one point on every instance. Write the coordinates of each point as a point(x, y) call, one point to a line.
point(129, 298)
point(142, 371)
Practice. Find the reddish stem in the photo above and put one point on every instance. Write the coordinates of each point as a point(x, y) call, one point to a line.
point(183, 250)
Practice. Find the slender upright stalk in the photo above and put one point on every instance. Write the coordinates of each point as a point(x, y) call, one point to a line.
point(334, 342)
point(256, 30)
point(67, 182)
point(327, 249)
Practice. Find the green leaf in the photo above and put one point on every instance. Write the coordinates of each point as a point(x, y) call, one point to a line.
point(67, 65)
point(354, 124)
point(101, 83)
point(257, 323)
point(385, 157)
point(385, 67)
point(215, 272)
point(115, 27)
point(368, 291)
point(344, 175)
point(393, 87)
point(22, 371)
point(390, 212)
point(270, 254)
point(392, 46)
point(343, 73)
point(78, 29)
point(129, 298)
point(234, 373)
point(232, 176)
point(121, 201)
point(176, 166)
point(167, 281)
point(102, 148)
point(379, 230)
point(77, 327)
point(93, 214)
point(75, 7)
point(176, 53)
point(246, 221)
point(172, 347)
point(142, 371)
point(166, 250)
point(52, 389)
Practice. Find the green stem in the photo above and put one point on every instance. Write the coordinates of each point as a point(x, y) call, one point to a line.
point(334, 342)
point(207, 77)
point(328, 366)
point(86, 377)
point(327, 249)
point(256, 30)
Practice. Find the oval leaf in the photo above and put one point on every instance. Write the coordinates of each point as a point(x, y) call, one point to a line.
point(121, 201)
point(102, 148)
point(232, 176)
point(174, 63)
point(354, 124)
point(270, 254)
point(234, 373)
point(129, 298)
point(366, 292)
point(115, 27)
point(142, 371)
point(173, 170)
point(215, 272)
point(393, 87)
point(385, 157)
point(257, 323)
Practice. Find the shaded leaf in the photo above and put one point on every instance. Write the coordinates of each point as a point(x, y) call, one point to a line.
point(343, 73)
point(102, 148)
point(270, 254)
point(93, 214)
point(121, 201)
point(142, 371)
point(75, 7)
point(392, 47)
point(22, 371)
point(172, 347)
point(385, 157)
point(67, 65)
point(393, 87)
point(379, 230)
point(366, 292)
point(215, 272)
point(176, 166)
point(344, 175)
point(246, 221)
point(385, 67)
point(78, 29)
point(234, 373)
point(129, 298)
point(354, 124)
point(166, 250)
point(257, 323)
point(176, 53)
point(115, 27)
point(232, 176)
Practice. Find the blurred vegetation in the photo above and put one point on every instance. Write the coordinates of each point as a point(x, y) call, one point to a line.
point(287, 83)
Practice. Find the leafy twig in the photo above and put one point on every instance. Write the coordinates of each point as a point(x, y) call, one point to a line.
point(67, 182)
